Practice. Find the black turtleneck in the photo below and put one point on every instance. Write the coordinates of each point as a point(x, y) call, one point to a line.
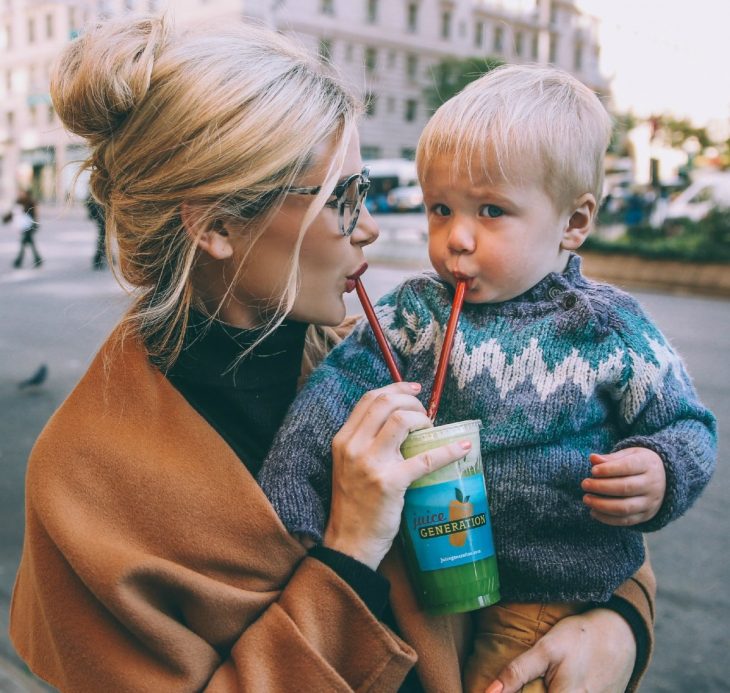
point(244, 399)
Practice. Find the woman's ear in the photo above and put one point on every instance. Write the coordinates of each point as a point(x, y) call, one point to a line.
point(579, 223)
point(209, 234)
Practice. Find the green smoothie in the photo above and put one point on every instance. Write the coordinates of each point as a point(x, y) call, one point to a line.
point(446, 530)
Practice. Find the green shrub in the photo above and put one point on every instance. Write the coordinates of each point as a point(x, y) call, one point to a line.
point(707, 240)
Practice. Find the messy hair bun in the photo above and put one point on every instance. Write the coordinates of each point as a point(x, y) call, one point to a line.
point(219, 118)
point(105, 75)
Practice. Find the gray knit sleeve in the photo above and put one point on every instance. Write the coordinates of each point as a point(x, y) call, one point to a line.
point(296, 474)
point(659, 409)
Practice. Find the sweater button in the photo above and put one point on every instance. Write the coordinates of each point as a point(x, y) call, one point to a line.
point(554, 292)
point(570, 300)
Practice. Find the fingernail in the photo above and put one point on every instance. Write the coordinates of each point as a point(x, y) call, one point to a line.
point(465, 445)
point(495, 687)
point(416, 387)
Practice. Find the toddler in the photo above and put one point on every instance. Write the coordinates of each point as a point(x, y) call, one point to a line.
point(592, 431)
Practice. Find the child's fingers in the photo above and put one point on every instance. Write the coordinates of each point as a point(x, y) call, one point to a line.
point(620, 486)
point(617, 507)
point(623, 521)
point(617, 464)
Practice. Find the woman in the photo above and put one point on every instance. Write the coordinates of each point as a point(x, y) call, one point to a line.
point(229, 167)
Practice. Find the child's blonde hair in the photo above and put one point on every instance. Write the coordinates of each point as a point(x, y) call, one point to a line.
point(520, 119)
point(223, 118)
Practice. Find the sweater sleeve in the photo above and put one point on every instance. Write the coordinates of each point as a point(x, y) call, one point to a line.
point(296, 474)
point(659, 409)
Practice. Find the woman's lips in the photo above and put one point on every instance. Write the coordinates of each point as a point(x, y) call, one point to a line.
point(352, 278)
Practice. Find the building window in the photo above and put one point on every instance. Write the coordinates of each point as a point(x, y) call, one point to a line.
point(412, 66)
point(578, 56)
point(446, 24)
point(391, 59)
point(553, 49)
point(368, 151)
point(553, 14)
point(371, 103)
point(33, 110)
point(408, 153)
point(519, 43)
point(8, 81)
point(10, 119)
point(411, 108)
point(371, 59)
point(348, 52)
point(372, 11)
point(325, 49)
point(479, 34)
point(6, 38)
point(534, 49)
point(31, 30)
point(498, 39)
point(391, 104)
point(49, 26)
point(327, 7)
point(412, 17)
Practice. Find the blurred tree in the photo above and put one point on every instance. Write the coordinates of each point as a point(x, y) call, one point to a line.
point(680, 130)
point(451, 75)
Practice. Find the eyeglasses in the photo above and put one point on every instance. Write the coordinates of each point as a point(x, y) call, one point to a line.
point(348, 198)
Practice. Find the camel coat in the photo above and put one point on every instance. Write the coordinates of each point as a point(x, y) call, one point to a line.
point(152, 561)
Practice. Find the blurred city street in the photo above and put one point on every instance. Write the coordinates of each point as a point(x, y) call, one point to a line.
point(59, 314)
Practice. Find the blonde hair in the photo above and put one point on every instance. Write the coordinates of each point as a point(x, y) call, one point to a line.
point(520, 119)
point(223, 118)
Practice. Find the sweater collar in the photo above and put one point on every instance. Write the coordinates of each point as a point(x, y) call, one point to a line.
point(212, 351)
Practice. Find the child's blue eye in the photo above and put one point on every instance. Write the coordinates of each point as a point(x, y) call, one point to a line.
point(491, 211)
point(441, 210)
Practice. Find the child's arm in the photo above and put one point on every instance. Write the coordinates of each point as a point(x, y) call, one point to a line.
point(668, 454)
point(296, 475)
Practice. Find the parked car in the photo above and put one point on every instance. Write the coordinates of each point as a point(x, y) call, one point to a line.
point(408, 198)
point(387, 175)
point(708, 191)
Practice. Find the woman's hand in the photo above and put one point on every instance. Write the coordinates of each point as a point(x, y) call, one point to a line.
point(594, 651)
point(369, 474)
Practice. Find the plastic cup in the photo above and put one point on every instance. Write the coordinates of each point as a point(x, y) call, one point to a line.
point(446, 529)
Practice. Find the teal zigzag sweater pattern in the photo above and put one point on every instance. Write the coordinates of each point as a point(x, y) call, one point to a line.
point(568, 368)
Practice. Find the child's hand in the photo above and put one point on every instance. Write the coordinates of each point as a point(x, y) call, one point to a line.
point(627, 487)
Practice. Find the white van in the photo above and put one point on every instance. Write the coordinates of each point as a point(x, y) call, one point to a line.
point(695, 202)
point(387, 175)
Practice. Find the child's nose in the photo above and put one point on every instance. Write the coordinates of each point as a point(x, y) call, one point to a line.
point(461, 238)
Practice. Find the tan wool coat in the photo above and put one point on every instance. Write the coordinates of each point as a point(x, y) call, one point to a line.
point(152, 561)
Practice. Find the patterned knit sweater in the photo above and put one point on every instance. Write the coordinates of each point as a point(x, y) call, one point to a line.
point(568, 368)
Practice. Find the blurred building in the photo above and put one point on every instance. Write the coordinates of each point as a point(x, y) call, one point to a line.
point(385, 48)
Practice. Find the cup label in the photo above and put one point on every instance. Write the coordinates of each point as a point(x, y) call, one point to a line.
point(448, 523)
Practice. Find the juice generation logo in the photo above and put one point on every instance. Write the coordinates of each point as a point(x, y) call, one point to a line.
point(460, 520)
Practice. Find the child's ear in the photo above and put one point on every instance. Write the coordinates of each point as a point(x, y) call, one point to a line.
point(210, 235)
point(579, 223)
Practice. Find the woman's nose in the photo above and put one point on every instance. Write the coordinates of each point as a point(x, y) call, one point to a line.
point(461, 238)
point(366, 231)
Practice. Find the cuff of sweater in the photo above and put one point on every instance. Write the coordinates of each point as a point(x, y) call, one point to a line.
point(638, 628)
point(371, 587)
point(675, 501)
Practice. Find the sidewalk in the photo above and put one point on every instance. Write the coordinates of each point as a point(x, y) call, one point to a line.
point(13, 680)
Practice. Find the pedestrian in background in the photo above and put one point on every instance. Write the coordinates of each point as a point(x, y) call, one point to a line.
point(96, 212)
point(24, 217)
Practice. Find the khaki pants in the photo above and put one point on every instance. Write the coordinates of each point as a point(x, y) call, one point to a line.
point(506, 630)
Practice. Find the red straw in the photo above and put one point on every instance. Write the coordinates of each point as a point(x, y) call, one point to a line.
point(440, 379)
point(378, 331)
